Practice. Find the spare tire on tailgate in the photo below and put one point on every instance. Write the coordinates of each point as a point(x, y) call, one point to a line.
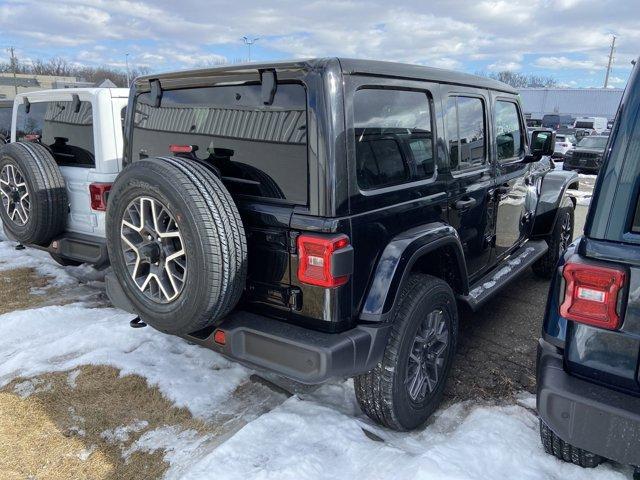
point(33, 194)
point(176, 243)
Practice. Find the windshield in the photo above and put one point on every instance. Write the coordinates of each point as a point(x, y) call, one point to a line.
point(593, 142)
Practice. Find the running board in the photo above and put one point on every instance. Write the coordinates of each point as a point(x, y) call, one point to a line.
point(499, 277)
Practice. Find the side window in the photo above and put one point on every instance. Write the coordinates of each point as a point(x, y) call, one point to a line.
point(465, 132)
point(508, 131)
point(393, 135)
point(67, 133)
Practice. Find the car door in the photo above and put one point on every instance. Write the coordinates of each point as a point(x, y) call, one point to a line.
point(470, 208)
point(512, 176)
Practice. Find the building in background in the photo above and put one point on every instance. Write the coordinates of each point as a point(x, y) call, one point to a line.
point(577, 102)
point(32, 83)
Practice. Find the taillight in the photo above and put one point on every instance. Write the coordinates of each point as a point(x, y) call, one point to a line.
point(591, 294)
point(99, 193)
point(564, 144)
point(318, 257)
point(173, 148)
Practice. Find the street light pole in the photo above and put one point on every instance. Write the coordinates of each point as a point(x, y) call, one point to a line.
point(126, 60)
point(248, 42)
point(13, 68)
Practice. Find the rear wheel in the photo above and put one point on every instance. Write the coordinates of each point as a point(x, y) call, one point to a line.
point(558, 241)
point(566, 452)
point(176, 243)
point(406, 387)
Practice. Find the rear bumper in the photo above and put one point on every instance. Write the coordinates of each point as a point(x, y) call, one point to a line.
point(298, 353)
point(589, 416)
point(82, 248)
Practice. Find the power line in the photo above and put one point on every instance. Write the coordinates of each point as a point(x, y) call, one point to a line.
point(248, 42)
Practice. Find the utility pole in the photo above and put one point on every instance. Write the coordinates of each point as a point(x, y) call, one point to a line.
point(613, 46)
point(126, 60)
point(248, 42)
point(13, 68)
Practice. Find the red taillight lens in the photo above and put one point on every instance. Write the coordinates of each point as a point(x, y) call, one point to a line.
point(315, 255)
point(591, 294)
point(99, 193)
point(181, 148)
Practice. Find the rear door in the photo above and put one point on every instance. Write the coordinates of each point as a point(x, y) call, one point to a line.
point(470, 206)
point(514, 212)
point(67, 130)
point(260, 152)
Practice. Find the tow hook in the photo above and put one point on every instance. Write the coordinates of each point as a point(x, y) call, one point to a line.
point(137, 323)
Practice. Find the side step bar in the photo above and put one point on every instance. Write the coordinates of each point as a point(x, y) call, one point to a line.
point(487, 286)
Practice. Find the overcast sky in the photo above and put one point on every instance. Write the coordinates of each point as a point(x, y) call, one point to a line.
point(566, 39)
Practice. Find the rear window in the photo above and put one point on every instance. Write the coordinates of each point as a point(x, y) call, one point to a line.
point(593, 142)
point(260, 150)
point(67, 133)
point(394, 143)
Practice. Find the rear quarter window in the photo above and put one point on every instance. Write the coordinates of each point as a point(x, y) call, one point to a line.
point(68, 134)
point(260, 150)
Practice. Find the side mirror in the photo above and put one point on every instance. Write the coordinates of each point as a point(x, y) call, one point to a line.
point(543, 143)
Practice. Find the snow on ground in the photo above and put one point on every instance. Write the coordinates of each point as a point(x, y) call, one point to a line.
point(315, 435)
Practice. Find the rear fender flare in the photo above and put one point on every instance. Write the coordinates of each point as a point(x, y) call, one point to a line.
point(552, 191)
point(396, 262)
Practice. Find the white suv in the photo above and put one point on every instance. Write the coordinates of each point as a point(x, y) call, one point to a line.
point(55, 178)
point(564, 143)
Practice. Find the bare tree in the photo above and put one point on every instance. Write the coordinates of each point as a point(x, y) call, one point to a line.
point(520, 80)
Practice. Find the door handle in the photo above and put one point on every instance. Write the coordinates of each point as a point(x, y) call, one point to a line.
point(465, 204)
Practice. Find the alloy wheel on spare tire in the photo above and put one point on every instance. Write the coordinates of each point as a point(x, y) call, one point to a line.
point(33, 195)
point(176, 243)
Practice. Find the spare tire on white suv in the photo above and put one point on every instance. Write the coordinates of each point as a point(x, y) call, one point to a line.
point(176, 243)
point(33, 194)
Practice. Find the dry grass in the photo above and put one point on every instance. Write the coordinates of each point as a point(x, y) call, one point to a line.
point(55, 433)
point(17, 289)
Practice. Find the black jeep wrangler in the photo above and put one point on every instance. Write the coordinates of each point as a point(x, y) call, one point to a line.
point(324, 218)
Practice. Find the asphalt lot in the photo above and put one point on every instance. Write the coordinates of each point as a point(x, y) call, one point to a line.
point(497, 345)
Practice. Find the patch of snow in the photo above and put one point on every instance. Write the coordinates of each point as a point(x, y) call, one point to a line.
point(582, 197)
point(29, 387)
point(182, 447)
point(121, 434)
point(72, 377)
point(85, 453)
point(308, 439)
point(526, 400)
point(61, 338)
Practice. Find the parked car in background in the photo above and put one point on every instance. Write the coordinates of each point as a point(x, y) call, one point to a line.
point(555, 121)
point(325, 218)
point(55, 176)
point(6, 107)
point(592, 125)
point(564, 143)
point(587, 155)
point(589, 354)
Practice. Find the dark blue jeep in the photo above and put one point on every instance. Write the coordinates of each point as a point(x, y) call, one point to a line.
point(588, 356)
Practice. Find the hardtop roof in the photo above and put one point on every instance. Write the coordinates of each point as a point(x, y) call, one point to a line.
point(349, 66)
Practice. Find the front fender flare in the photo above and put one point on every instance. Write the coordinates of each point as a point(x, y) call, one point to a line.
point(396, 261)
point(553, 188)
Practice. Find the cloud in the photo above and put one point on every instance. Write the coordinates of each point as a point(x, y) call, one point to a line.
point(484, 35)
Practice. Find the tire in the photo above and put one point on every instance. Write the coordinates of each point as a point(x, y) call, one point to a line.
point(41, 215)
point(558, 241)
point(210, 273)
point(65, 262)
point(554, 445)
point(384, 392)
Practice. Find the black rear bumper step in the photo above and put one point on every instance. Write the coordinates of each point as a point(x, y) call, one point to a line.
point(300, 354)
point(503, 273)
